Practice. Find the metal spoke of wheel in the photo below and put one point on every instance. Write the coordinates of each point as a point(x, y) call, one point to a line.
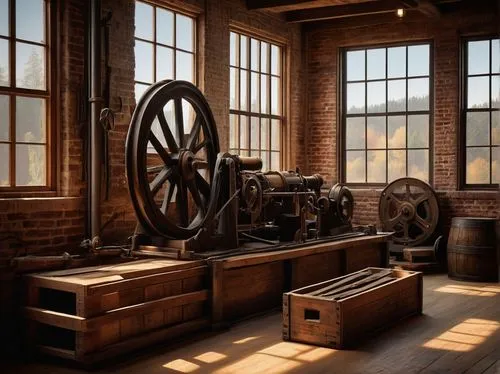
point(202, 185)
point(155, 169)
point(421, 199)
point(195, 133)
point(181, 203)
point(199, 146)
point(407, 191)
point(196, 195)
point(406, 235)
point(419, 221)
point(159, 180)
point(167, 197)
point(179, 119)
point(159, 149)
point(395, 199)
point(394, 221)
point(169, 137)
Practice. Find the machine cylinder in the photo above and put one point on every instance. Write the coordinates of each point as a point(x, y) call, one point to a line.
point(249, 163)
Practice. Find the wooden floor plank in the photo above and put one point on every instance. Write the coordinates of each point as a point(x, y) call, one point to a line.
point(457, 333)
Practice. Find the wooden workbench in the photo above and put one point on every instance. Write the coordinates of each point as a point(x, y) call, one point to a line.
point(243, 285)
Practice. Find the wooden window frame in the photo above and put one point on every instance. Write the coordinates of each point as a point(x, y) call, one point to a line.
point(176, 11)
point(51, 94)
point(342, 111)
point(463, 110)
point(241, 30)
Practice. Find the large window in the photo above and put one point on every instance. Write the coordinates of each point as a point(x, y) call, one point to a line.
point(386, 113)
point(164, 46)
point(256, 99)
point(25, 96)
point(481, 113)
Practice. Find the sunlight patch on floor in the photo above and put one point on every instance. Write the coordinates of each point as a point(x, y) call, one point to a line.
point(246, 340)
point(465, 336)
point(210, 357)
point(182, 366)
point(470, 290)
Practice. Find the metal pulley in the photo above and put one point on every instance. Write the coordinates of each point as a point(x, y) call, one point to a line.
point(409, 207)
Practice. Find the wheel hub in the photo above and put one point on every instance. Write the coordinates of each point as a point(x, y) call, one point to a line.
point(187, 165)
point(407, 211)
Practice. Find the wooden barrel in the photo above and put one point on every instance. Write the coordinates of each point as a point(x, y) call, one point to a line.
point(472, 249)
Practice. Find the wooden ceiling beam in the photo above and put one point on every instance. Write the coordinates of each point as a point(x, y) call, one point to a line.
point(423, 6)
point(343, 11)
point(267, 4)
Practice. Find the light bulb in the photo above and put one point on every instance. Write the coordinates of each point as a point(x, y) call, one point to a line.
point(400, 12)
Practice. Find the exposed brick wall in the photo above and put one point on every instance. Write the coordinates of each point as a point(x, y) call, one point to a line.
point(322, 47)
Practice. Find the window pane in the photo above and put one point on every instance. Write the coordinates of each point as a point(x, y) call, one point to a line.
point(418, 94)
point(375, 132)
point(376, 166)
point(355, 98)
point(264, 94)
point(355, 166)
point(275, 135)
point(355, 65)
point(264, 133)
point(164, 26)
point(4, 63)
point(233, 131)
point(254, 54)
point(478, 61)
point(30, 66)
point(144, 21)
point(254, 133)
point(418, 131)
point(164, 63)
point(264, 57)
point(376, 97)
point(495, 56)
point(233, 47)
point(275, 95)
point(30, 20)
point(139, 91)
point(30, 119)
point(184, 33)
point(495, 128)
point(264, 155)
point(495, 165)
point(4, 118)
point(397, 165)
point(233, 87)
point(30, 165)
point(244, 51)
point(355, 133)
point(495, 92)
point(243, 90)
point(184, 66)
point(4, 18)
point(375, 63)
point(418, 60)
point(144, 62)
point(478, 92)
point(275, 161)
point(396, 93)
point(478, 128)
point(396, 64)
point(418, 164)
point(244, 141)
point(254, 92)
point(478, 166)
point(397, 132)
point(275, 60)
point(4, 165)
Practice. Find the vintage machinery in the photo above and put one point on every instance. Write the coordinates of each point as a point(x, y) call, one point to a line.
point(409, 207)
point(221, 200)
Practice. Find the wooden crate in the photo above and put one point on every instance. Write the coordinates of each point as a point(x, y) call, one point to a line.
point(338, 313)
point(91, 314)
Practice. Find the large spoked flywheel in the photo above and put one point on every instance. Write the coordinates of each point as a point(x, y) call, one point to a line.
point(171, 153)
point(409, 207)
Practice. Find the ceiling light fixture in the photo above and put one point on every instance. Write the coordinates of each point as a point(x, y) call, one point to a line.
point(400, 12)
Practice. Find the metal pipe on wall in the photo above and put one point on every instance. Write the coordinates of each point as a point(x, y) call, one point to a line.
point(96, 130)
